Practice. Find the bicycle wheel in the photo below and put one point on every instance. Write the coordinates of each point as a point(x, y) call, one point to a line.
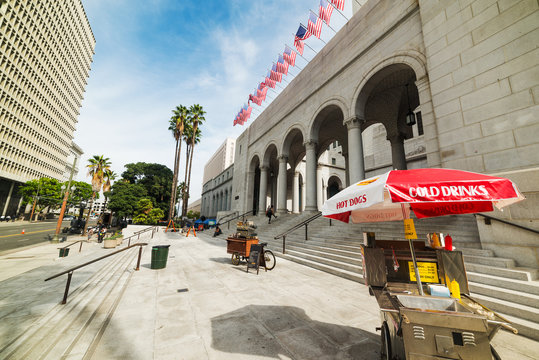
point(235, 259)
point(270, 259)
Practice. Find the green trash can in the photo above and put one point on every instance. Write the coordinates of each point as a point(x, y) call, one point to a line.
point(159, 256)
point(64, 252)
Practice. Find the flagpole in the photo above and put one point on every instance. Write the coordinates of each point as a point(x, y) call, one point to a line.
point(324, 21)
point(298, 54)
point(347, 19)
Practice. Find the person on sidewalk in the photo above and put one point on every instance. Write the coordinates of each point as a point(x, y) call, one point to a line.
point(217, 231)
point(269, 213)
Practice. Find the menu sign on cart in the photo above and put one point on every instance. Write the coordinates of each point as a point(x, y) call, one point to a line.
point(255, 259)
point(409, 229)
point(428, 272)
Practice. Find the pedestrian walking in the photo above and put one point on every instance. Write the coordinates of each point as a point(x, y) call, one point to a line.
point(269, 213)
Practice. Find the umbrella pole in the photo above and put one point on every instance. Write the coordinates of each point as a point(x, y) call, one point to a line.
point(418, 279)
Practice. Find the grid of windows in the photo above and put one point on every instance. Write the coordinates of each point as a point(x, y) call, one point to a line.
point(46, 49)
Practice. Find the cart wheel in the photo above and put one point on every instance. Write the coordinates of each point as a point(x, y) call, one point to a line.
point(270, 259)
point(495, 355)
point(385, 350)
point(235, 259)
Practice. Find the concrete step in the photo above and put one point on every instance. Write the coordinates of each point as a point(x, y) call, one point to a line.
point(525, 286)
point(516, 273)
point(354, 276)
point(491, 261)
point(331, 263)
point(353, 253)
point(499, 292)
point(55, 335)
point(477, 252)
point(506, 307)
point(326, 255)
point(525, 328)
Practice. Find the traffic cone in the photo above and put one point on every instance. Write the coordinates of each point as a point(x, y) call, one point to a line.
point(22, 232)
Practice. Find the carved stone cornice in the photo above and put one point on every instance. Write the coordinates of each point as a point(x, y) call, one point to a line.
point(310, 145)
point(282, 158)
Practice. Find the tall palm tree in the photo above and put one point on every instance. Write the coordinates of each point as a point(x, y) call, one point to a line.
point(109, 176)
point(188, 140)
point(97, 168)
point(196, 113)
point(176, 125)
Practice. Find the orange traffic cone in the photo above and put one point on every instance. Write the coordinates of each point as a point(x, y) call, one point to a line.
point(22, 232)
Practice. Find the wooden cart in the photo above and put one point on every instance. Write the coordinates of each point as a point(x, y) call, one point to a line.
point(239, 248)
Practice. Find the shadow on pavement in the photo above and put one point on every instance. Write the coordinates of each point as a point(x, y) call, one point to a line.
point(271, 331)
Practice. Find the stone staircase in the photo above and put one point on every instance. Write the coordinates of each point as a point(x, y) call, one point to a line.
point(42, 328)
point(495, 282)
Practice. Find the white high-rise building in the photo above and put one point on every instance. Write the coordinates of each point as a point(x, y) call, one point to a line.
point(46, 49)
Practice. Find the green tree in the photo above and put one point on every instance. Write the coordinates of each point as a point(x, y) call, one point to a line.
point(124, 197)
point(156, 179)
point(176, 125)
point(196, 117)
point(97, 169)
point(193, 214)
point(146, 214)
point(46, 193)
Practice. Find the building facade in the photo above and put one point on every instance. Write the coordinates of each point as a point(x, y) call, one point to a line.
point(221, 159)
point(217, 194)
point(46, 49)
point(467, 69)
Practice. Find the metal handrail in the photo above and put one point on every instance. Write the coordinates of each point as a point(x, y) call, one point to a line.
point(234, 218)
point(226, 216)
point(69, 272)
point(297, 226)
point(509, 223)
point(78, 241)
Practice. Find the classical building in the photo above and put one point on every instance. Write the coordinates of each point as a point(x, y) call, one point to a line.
point(217, 194)
point(468, 70)
point(46, 49)
point(220, 160)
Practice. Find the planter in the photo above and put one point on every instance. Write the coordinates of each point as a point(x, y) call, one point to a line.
point(109, 244)
point(119, 241)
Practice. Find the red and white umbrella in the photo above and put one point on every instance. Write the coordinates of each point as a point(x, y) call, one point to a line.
point(428, 192)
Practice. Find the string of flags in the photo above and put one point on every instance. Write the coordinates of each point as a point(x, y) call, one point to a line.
point(288, 57)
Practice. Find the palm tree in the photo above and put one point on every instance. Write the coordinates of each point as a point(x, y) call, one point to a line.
point(188, 139)
point(196, 113)
point(97, 168)
point(176, 125)
point(109, 176)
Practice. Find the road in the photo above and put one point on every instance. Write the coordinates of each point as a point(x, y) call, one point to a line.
point(11, 236)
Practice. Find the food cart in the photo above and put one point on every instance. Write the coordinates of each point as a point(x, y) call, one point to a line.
point(239, 243)
point(437, 324)
point(425, 307)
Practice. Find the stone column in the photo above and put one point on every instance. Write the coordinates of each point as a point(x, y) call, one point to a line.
point(263, 191)
point(281, 185)
point(397, 151)
point(355, 150)
point(8, 199)
point(430, 128)
point(346, 173)
point(310, 176)
point(319, 186)
point(295, 193)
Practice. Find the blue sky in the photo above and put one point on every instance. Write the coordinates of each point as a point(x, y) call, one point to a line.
point(152, 55)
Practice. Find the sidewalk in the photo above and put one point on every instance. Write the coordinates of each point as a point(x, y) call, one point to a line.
point(202, 307)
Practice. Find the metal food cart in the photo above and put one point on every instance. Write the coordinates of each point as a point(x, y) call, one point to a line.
point(415, 326)
point(239, 243)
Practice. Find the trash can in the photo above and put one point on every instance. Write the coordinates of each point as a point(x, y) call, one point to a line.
point(64, 252)
point(159, 256)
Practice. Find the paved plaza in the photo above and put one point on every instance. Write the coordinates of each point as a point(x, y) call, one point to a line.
point(202, 307)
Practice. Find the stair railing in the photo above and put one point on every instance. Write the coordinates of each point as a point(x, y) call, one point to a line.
point(237, 217)
point(297, 226)
point(489, 218)
point(73, 243)
point(222, 220)
point(70, 271)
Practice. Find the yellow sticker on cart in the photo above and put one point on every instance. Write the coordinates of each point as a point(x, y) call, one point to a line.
point(409, 229)
point(428, 272)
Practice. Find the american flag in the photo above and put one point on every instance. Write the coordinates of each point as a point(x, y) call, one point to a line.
point(261, 93)
point(282, 66)
point(339, 4)
point(301, 35)
point(325, 11)
point(289, 55)
point(314, 25)
point(269, 82)
point(275, 75)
